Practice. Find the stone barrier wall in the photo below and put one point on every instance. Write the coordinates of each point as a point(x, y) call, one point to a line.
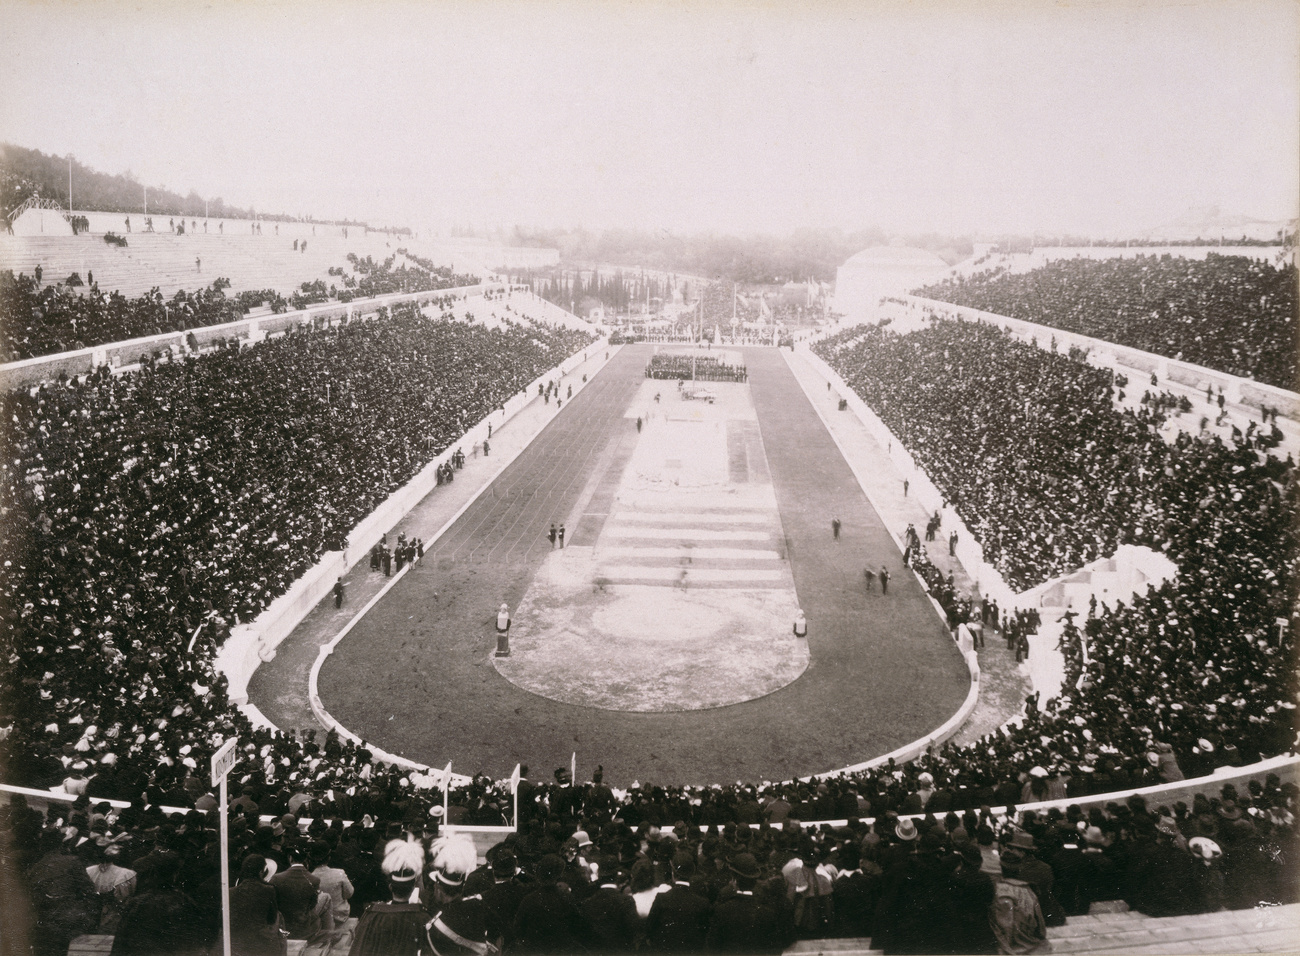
point(251, 644)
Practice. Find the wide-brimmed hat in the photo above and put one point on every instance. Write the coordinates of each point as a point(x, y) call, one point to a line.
point(906, 830)
point(1205, 848)
point(1022, 840)
point(744, 864)
point(1230, 810)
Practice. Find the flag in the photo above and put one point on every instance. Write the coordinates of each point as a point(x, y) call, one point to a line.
point(446, 785)
point(573, 769)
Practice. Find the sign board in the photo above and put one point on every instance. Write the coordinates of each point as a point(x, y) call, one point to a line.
point(223, 760)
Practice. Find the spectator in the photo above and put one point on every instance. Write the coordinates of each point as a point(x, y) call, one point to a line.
point(255, 926)
point(1230, 313)
point(162, 920)
point(1016, 918)
point(394, 928)
point(333, 881)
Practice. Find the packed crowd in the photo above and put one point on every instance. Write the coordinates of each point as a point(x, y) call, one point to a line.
point(147, 513)
point(700, 368)
point(1230, 313)
point(38, 319)
point(116, 591)
point(591, 869)
point(380, 278)
point(1024, 443)
point(1046, 472)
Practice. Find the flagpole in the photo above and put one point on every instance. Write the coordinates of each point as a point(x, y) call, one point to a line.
point(514, 786)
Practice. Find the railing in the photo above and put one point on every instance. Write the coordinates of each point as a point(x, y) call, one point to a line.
point(1285, 767)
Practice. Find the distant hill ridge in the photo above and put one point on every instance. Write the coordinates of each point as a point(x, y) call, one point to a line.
point(29, 172)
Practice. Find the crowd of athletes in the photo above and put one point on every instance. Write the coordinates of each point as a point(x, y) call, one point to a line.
point(40, 317)
point(116, 590)
point(1231, 313)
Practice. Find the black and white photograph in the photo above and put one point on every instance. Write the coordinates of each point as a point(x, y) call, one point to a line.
point(649, 477)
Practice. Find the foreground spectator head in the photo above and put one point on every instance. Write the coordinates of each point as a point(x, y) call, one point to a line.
point(403, 862)
point(1012, 860)
point(253, 868)
point(548, 870)
point(745, 866)
point(451, 859)
point(504, 866)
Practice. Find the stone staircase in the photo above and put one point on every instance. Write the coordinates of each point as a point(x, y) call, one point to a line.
point(1274, 929)
point(167, 261)
point(832, 947)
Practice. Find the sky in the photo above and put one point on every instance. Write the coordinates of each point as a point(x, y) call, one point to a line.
point(1095, 118)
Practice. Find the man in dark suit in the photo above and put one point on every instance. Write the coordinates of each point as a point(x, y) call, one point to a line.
point(297, 893)
point(527, 794)
point(254, 919)
point(743, 924)
point(501, 900)
point(679, 917)
point(610, 913)
point(856, 892)
point(547, 920)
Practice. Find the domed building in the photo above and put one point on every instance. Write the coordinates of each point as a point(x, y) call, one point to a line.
point(882, 271)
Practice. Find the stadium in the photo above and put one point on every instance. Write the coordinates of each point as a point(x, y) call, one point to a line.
point(378, 586)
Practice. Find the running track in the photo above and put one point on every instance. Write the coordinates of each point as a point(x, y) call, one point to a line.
point(415, 677)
